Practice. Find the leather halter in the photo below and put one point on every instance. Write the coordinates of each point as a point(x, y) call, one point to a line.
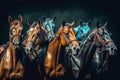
point(96, 36)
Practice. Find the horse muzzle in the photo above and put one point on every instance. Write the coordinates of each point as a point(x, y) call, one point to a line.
point(51, 37)
point(16, 43)
point(28, 49)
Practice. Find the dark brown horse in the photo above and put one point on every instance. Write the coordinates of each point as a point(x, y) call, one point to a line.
point(10, 64)
point(52, 62)
point(33, 43)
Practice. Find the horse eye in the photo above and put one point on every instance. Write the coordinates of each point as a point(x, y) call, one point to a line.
point(21, 30)
point(38, 34)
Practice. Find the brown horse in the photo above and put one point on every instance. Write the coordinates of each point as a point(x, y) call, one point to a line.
point(33, 45)
point(53, 68)
point(35, 37)
point(10, 64)
point(72, 50)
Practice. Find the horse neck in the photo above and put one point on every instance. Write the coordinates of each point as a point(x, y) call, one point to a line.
point(55, 50)
point(88, 47)
point(73, 39)
point(12, 53)
point(11, 48)
point(37, 47)
point(55, 43)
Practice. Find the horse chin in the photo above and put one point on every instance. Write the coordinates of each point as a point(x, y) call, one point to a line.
point(28, 52)
point(75, 52)
point(16, 47)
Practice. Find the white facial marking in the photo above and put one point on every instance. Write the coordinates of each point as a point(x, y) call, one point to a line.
point(31, 29)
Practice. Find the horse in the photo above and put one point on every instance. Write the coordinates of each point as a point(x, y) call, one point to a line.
point(49, 26)
point(97, 40)
point(82, 30)
point(72, 50)
point(54, 60)
point(11, 66)
point(34, 44)
point(72, 47)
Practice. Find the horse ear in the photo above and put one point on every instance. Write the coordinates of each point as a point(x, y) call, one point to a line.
point(54, 18)
point(43, 18)
point(89, 21)
point(105, 24)
point(39, 21)
point(20, 18)
point(29, 22)
point(81, 22)
point(9, 19)
point(63, 24)
point(72, 24)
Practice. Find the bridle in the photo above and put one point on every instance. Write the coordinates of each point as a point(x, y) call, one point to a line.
point(36, 42)
point(96, 36)
point(49, 30)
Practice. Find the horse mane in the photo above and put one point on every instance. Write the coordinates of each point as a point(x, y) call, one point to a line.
point(43, 33)
point(33, 24)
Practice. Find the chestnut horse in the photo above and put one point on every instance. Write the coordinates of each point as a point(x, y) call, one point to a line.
point(10, 65)
point(52, 62)
point(72, 50)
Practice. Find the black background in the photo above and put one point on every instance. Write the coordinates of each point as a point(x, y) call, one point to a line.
point(68, 10)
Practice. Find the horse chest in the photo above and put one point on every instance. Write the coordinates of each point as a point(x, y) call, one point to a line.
point(7, 60)
point(51, 56)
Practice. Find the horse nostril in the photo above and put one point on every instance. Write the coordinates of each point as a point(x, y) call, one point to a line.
point(74, 48)
point(77, 49)
point(16, 43)
point(30, 49)
point(27, 49)
point(111, 48)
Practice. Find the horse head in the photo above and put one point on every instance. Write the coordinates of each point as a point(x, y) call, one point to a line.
point(82, 30)
point(35, 36)
point(49, 26)
point(103, 36)
point(15, 32)
point(73, 45)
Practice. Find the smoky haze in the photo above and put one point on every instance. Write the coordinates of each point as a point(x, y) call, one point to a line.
point(68, 10)
point(67, 13)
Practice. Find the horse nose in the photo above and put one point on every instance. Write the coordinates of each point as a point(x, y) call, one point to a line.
point(74, 48)
point(16, 43)
point(78, 48)
point(29, 49)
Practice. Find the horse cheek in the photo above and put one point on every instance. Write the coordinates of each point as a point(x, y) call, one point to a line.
point(63, 41)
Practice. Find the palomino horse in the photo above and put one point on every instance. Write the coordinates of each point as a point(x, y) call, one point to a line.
point(54, 57)
point(49, 26)
point(10, 64)
point(34, 46)
point(97, 43)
